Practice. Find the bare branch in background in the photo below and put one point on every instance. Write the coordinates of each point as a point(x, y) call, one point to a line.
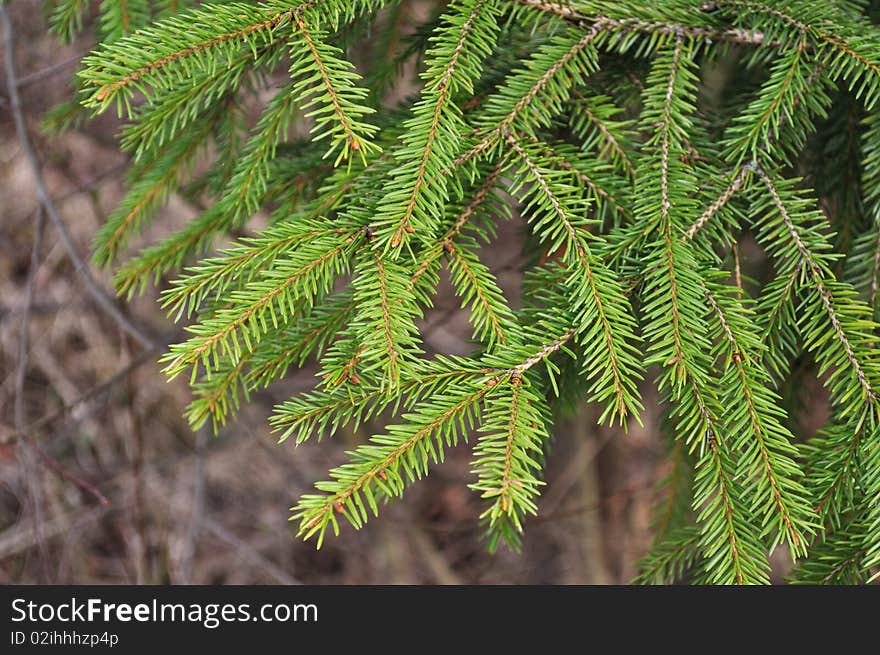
point(95, 291)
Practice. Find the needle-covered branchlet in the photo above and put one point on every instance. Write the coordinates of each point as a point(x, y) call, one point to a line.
point(661, 239)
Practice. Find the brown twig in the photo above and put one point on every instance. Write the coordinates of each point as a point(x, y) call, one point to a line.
point(29, 474)
point(248, 552)
point(104, 301)
point(63, 472)
point(734, 35)
point(84, 187)
point(93, 393)
point(19, 418)
point(49, 71)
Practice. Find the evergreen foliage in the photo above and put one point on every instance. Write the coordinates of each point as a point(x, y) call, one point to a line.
point(644, 145)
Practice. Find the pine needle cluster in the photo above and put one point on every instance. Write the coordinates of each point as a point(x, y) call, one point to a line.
point(643, 145)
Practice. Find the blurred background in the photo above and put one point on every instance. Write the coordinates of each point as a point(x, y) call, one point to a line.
point(101, 479)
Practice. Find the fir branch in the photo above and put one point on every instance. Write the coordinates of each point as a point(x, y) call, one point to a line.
point(66, 19)
point(778, 320)
point(677, 330)
point(680, 344)
point(309, 336)
point(836, 560)
point(846, 445)
point(640, 184)
point(779, 118)
point(218, 393)
point(614, 141)
point(250, 174)
point(725, 531)
point(768, 462)
point(507, 457)
point(389, 339)
point(147, 56)
point(197, 236)
point(665, 128)
point(214, 276)
point(341, 120)
point(739, 180)
point(161, 122)
point(418, 189)
point(647, 26)
point(332, 409)
point(864, 258)
point(380, 466)
point(443, 92)
point(600, 185)
point(475, 285)
point(851, 51)
point(384, 326)
point(818, 277)
point(533, 95)
point(672, 559)
point(436, 251)
point(599, 299)
point(152, 262)
point(388, 462)
point(217, 396)
point(297, 279)
point(122, 17)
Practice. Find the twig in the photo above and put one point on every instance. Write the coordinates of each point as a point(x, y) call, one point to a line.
point(91, 394)
point(59, 468)
point(722, 200)
point(433, 558)
point(36, 76)
point(14, 541)
point(85, 187)
point(26, 464)
point(248, 552)
point(737, 268)
point(24, 336)
point(97, 293)
point(573, 472)
point(36, 309)
point(735, 35)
